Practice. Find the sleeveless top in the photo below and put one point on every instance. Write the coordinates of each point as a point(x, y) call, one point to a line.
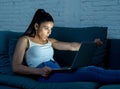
point(38, 53)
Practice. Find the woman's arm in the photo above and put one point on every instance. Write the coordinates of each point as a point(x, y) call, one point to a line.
point(18, 56)
point(71, 46)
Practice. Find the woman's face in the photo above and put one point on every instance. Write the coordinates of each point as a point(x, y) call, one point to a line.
point(44, 30)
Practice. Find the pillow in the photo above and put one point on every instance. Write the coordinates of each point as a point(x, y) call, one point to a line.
point(5, 67)
point(78, 35)
point(4, 39)
point(12, 44)
point(4, 36)
point(113, 55)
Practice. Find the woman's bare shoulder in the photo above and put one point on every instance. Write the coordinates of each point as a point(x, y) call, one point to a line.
point(23, 40)
point(52, 40)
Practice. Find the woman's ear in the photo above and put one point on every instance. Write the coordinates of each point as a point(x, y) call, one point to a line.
point(36, 26)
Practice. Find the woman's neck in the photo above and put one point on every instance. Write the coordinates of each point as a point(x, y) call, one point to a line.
point(39, 40)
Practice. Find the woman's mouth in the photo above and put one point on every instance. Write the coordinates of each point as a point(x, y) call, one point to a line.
point(45, 38)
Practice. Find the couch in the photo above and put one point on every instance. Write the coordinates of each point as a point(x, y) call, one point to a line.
point(105, 56)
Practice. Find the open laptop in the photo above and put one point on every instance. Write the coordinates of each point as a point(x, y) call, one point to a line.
point(83, 56)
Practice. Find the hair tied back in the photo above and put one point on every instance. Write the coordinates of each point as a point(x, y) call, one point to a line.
point(41, 10)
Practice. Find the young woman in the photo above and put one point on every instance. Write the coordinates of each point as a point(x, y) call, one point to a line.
point(37, 48)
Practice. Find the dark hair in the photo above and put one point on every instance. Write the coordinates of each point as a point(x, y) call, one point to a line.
point(39, 17)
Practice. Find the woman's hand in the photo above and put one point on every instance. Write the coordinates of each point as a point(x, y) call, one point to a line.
point(45, 71)
point(98, 42)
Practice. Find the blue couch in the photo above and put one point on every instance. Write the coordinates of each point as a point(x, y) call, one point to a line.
point(106, 56)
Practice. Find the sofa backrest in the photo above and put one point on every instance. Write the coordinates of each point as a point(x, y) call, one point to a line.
point(64, 34)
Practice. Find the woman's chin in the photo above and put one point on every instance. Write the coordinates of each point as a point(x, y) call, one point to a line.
point(45, 39)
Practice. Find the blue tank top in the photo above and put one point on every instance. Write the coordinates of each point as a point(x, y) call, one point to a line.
point(38, 53)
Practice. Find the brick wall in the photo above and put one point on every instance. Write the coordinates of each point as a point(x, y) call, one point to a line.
point(17, 14)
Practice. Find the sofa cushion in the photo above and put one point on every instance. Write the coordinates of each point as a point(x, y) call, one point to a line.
point(4, 41)
point(5, 67)
point(113, 48)
point(7, 87)
point(12, 44)
point(69, 85)
point(18, 81)
point(79, 35)
point(112, 86)
point(13, 37)
point(27, 83)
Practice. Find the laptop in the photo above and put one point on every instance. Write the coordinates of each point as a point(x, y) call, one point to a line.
point(83, 56)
